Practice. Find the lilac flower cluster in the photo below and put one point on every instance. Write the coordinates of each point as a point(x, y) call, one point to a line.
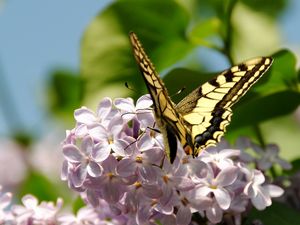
point(47, 213)
point(115, 156)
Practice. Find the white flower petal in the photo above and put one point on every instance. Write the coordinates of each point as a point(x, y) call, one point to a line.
point(29, 201)
point(261, 200)
point(274, 191)
point(222, 197)
point(214, 214)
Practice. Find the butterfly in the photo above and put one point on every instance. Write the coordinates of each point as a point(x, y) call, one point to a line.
point(200, 119)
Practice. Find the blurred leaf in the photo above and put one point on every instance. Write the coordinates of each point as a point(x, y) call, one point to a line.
point(253, 33)
point(269, 7)
point(77, 204)
point(106, 51)
point(65, 92)
point(295, 167)
point(277, 213)
point(281, 76)
point(204, 30)
point(39, 186)
point(265, 108)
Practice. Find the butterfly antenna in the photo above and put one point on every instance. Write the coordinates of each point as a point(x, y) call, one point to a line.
point(130, 88)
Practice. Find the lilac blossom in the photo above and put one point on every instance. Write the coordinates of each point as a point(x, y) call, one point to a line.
point(259, 193)
point(85, 215)
point(142, 110)
point(33, 213)
point(115, 157)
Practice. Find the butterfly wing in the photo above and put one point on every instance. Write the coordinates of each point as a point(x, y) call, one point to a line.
point(207, 110)
point(168, 120)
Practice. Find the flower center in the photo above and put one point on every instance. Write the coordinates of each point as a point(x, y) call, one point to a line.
point(110, 140)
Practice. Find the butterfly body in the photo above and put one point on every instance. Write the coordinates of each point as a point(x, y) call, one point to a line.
point(200, 119)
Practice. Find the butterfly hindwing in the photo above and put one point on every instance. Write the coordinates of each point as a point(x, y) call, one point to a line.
point(200, 119)
point(207, 110)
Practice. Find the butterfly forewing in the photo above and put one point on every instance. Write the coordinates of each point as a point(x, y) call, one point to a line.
point(207, 110)
point(168, 120)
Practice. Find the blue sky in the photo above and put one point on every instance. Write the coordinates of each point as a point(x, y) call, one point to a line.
point(38, 36)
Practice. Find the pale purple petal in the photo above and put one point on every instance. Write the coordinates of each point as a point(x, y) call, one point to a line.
point(125, 104)
point(112, 192)
point(72, 153)
point(274, 191)
point(258, 178)
point(87, 145)
point(144, 102)
point(227, 176)
point(214, 214)
point(222, 197)
point(94, 169)
point(264, 164)
point(119, 147)
point(126, 167)
point(183, 183)
point(183, 216)
point(261, 200)
point(146, 119)
point(284, 164)
point(202, 190)
point(5, 200)
point(101, 151)
point(64, 170)
point(249, 190)
point(226, 153)
point(152, 191)
point(148, 173)
point(145, 143)
point(98, 132)
point(143, 215)
point(116, 126)
point(110, 164)
point(78, 175)
point(104, 107)
point(84, 115)
point(81, 130)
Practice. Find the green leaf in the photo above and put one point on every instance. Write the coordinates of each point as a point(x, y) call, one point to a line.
point(269, 7)
point(65, 92)
point(180, 78)
point(40, 186)
point(265, 108)
point(106, 52)
point(281, 76)
point(203, 30)
point(295, 167)
point(77, 204)
point(277, 213)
